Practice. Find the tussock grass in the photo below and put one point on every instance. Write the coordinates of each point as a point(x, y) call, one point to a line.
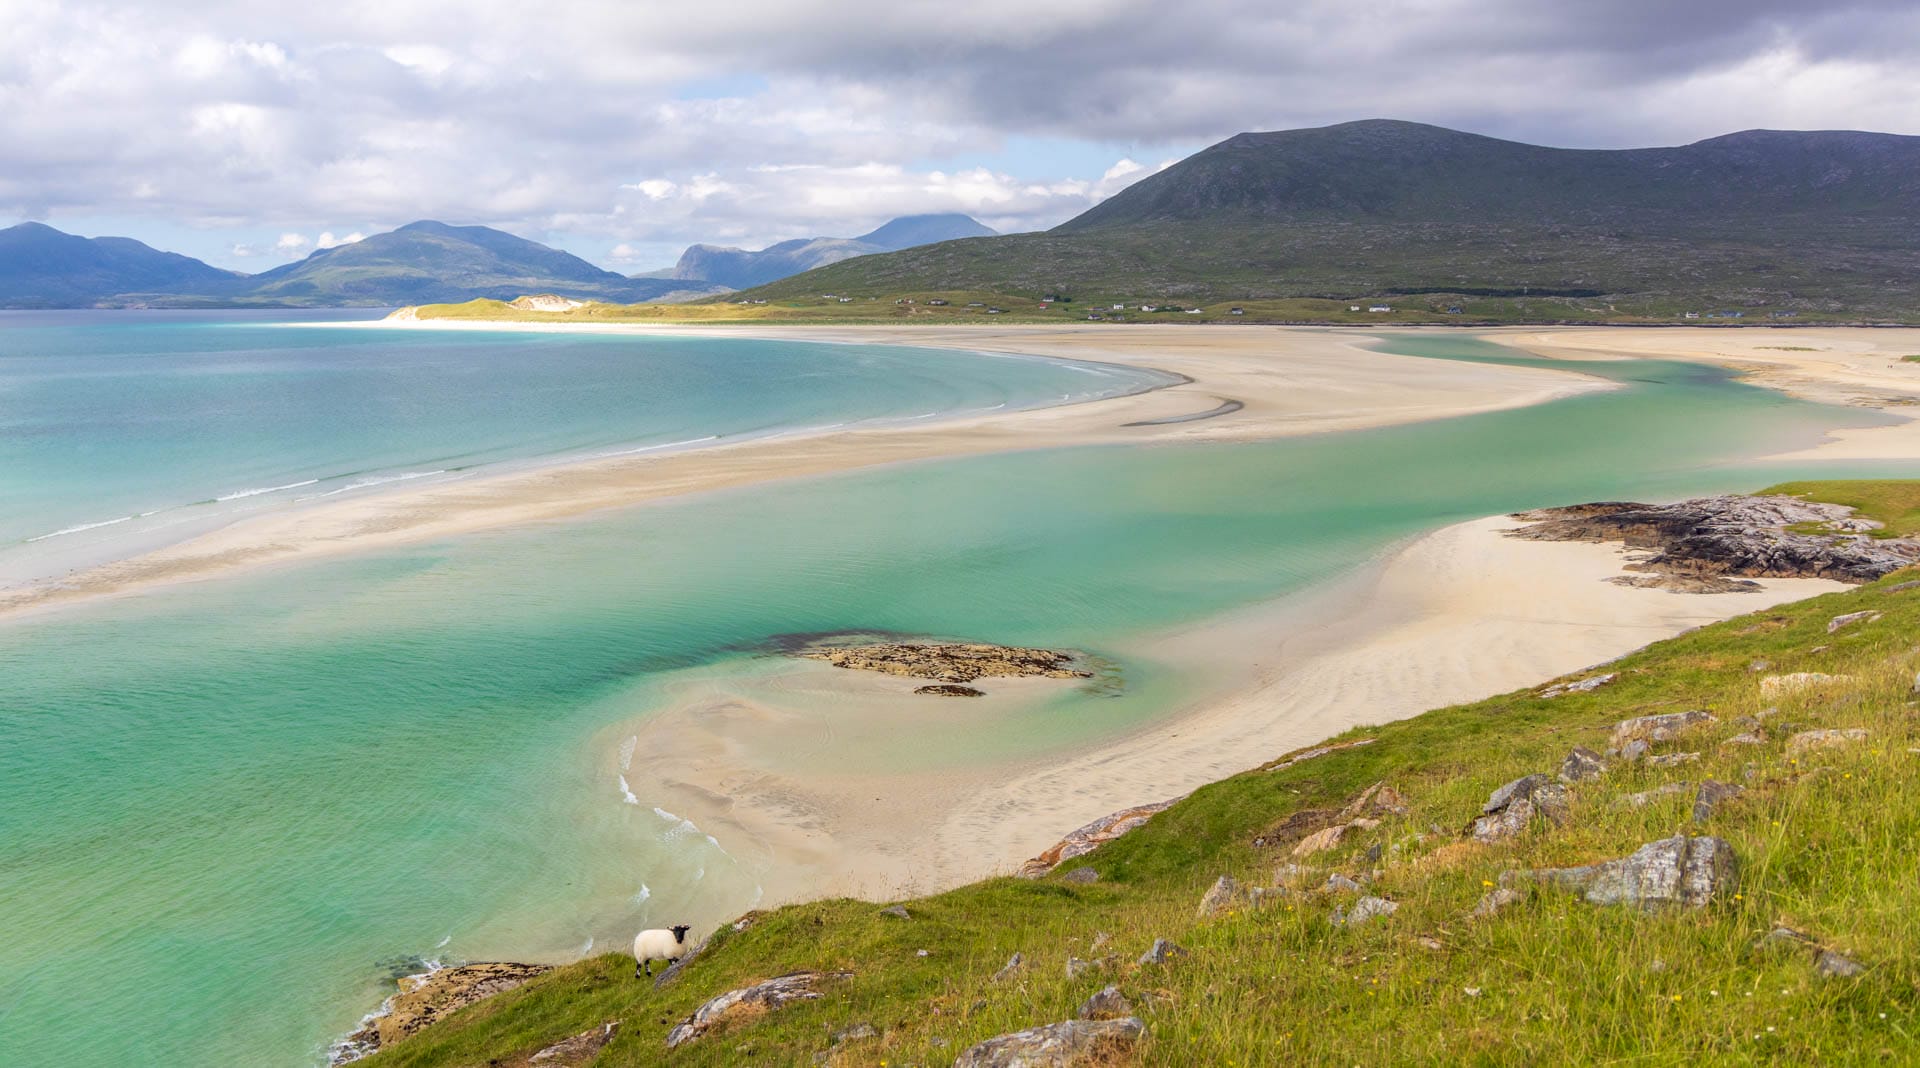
point(1828, 842)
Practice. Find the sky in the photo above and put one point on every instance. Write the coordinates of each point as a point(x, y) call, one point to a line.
point(250, 133)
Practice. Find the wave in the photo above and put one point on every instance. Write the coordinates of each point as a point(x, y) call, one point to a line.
point(87, 526)
point(626, 793)
point(626, 751)
point(369, 482)
point(237, 494)
point(645, 893)
point(657, 448)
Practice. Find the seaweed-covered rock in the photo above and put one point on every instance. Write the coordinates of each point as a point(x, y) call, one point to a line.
point(952, 662)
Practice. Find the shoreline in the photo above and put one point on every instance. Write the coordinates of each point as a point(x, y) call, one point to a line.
point(1287, 381)
point(1450, 616)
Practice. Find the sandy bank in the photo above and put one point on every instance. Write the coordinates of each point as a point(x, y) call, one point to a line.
point(1456, 615)
point(1831, 365)
point(1287, 381)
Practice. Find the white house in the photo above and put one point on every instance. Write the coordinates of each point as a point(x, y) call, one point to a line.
point(1380, 308)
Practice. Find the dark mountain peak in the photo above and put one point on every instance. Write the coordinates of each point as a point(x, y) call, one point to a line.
point(44, 267)
point(35, 229)
point(910, 230)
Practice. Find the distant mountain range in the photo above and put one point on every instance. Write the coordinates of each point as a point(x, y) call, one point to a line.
point(420, 263)
point(1375, 208)
point(738, 268)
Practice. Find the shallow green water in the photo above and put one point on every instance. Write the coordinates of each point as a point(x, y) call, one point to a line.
point(226, 803)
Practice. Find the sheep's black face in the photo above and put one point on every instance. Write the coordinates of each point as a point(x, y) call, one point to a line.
point(680, 931)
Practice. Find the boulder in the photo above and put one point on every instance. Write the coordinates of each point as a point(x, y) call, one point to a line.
point(1365, 909)
point(1648, 797)
point(853, 1033)
point(1222, 896)
point(1838, 623)
point(897, 911)
point(752, 1000)
point(1658, 728)
point(1513, 807)
point(1836, 966)
point(1108, 1004)
point(1669, 760)
point(1060, 1045)
point(1586, 685)
point(1710, 795)
point(579, 1049)
point(1582, 764)
point(1077, 967)
point(1011, 968)
point(1161, 952)
point(1321, 840)
point(1081, 877)
point(1376, 800)
point(1748, 738)
point(1677, 871)
point(1808, 741)
point(1340, 884)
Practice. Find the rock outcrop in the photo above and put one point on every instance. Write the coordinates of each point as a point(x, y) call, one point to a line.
point(948, 662)
point(1060, 1045)
point(1091, 836)
point(577, 1050)
point(1680, 871)
point(749, 1001)
point(1512, 808)
point(426, 998)
point(1714, 537)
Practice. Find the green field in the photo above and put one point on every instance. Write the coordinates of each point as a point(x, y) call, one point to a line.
point(1826, 843)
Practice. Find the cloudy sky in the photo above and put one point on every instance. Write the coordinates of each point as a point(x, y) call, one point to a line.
point(249, 133)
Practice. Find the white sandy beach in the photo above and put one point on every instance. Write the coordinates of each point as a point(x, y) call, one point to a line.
point(1288, 381)
point(1454, 616)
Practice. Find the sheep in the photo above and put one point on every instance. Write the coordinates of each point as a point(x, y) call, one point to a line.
point(656, 944)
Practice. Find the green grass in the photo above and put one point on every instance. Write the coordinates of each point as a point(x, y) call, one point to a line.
point(1895, 503)
point(1827, 843)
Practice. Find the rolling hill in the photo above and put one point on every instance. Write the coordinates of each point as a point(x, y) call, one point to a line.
point(41, 267)
point(739, 268)
point(1822, 222)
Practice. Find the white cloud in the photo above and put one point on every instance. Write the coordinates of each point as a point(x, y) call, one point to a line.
point(291, 243)
point(327, 240)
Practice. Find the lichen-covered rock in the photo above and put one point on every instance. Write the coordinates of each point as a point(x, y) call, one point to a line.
point(579, 1049)
point(1582, 764)
point(1161, 952)
point(1340, 884)
point(1586, 685)
point(1648, 797)
point(1658, 728)
point(853, 1033)
point(1091, 836)
point(1321, 840)
point(1011, 968)
point(1677, 871)
point(1807, 741)
point(1376, 800)
point(1081, 877)
point(1222, 896)
point(898, 912)
point(1076, 967)
point(1838, 623)
point(1060, 1045)
point(749, 1001)
point(1836, 965)
point(1732, 535)
point(1672, 760)
point(1513, 808)
point(1107, 1004)
point(1365, 909)
point(1496, 899)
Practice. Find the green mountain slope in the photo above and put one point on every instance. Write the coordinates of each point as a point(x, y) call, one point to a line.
point(1825, 222)
point(1823, 834)
point(41, 267)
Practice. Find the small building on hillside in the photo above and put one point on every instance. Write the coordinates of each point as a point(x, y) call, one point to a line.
point(1691, 315)
point(1380, 307)
point(1236, 311)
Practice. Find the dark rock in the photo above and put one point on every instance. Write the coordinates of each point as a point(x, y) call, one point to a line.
point(1673, 871)
point(1060, 1045)
point(1513, 807)
point(1732, 535)
point(1582, 764)
point(1081, 876)
point(949, 689)
point(899, 911)
point(579, 1049)
point(1374, 853)
point(952, 662)
point(749, 1001)
point(1710, 795)
point(1107, 1004)
point(1161, 952)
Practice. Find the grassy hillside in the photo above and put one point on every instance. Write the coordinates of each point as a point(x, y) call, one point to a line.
point(1820, 224)
point(1825, 839)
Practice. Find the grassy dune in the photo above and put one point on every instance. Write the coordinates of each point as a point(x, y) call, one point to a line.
point(1828, 842)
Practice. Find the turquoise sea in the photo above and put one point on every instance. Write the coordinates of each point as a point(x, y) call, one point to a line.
point(229, 807)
